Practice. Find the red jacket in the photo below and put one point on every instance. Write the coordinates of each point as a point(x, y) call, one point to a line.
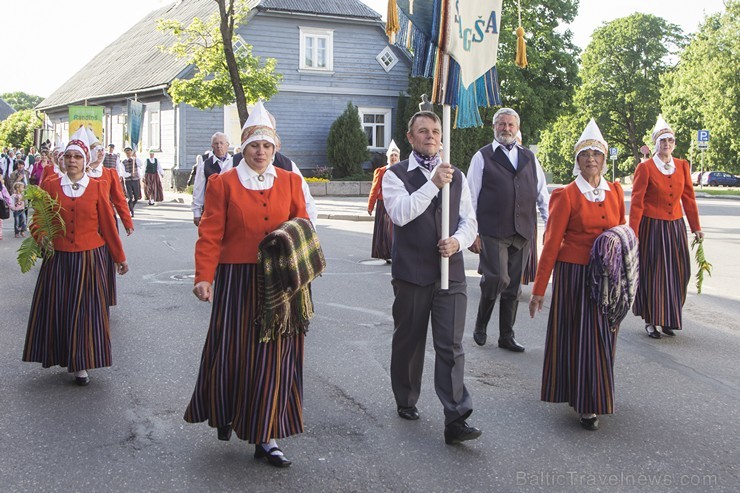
point(572, 227)
point(376, 191)
point(660, 196)
point(88, 219)
point(236, 219)
point(115, 191)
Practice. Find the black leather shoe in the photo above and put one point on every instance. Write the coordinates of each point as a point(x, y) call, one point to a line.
point(277, 460)
point(652, 331)
point(479, 338)
point(459, 431)
point(668, 331)
point(590, 424)
point(410, 413)
point(224, 432)
point(82, 381)
point(511, 345)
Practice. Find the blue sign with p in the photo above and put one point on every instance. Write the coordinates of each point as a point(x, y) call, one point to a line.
point(703, 136)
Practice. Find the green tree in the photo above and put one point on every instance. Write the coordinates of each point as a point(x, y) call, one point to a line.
point(213, 83)
point(17, 129)
point(621, 72)
point(20, 100)
point(555, 149)
point(346, 145)
point(704, 91)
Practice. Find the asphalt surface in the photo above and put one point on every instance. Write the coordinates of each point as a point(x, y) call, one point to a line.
point(676, 425)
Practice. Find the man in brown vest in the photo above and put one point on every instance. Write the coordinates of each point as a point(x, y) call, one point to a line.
point(411, 191)
point(506, 186)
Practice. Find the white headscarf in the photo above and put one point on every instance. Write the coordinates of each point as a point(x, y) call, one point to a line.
point(591, 138)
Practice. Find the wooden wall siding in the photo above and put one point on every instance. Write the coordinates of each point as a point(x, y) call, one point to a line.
point(196, 129)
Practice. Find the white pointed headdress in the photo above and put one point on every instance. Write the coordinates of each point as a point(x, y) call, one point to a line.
point(393, 148)
point(79, 142)
point(591, 138)
point(662, 130)
point(259, 126)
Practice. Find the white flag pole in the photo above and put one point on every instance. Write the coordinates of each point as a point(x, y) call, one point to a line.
point(446, 144)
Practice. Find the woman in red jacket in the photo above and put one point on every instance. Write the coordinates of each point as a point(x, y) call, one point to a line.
point(662, 185)
point(580, 345)
point(252, 387)
point(69, 324)
point(383, 229)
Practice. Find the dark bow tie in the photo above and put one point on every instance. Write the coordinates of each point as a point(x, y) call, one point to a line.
point(508, 147)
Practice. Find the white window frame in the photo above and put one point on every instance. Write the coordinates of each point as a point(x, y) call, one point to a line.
point(316, 33)
point(387, 113)
point(387, 54)
point(154, 135)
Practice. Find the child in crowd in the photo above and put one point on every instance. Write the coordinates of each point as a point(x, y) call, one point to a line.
point(18, 206)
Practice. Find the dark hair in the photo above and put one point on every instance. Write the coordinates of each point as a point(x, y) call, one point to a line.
point(423, 114)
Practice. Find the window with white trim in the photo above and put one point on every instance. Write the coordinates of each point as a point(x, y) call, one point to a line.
point(152, 125)
point(376, 122)
point(387, 59)
point(317, 49)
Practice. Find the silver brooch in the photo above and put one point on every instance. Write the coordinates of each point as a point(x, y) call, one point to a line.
point(596, 192)
point(75, 186)
point(260, 177)
point(667, 166)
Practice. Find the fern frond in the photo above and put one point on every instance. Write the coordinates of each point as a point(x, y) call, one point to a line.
point(46, 224)
point(701, 262)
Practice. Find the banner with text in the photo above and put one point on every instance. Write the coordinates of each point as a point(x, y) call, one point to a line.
point(135, 117)
point(86, 116)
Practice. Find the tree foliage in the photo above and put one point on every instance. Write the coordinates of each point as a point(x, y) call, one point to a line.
point(17, 129)
point(346, 145)
point(21, 101)
point(704, 91)
point(212, 84)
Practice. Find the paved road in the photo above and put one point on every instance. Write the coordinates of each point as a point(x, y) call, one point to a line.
point(676, 426)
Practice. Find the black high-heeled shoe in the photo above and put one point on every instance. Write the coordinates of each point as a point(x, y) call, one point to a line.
point(277, 460)
point(224, 432)
point(652, 331)
point(590, 424)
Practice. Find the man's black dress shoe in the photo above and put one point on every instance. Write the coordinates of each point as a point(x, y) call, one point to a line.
point(668, 331)
point(511, 345)
point(652, 331)
point(479, 338)
point(277, 460)
point(82, 381)
point(591, 424)
point(410, 413)
point(459, 431)
point(224, 432)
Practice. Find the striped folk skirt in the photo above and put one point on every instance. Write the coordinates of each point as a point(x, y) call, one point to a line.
point(111, 293)
point(530, 267)
point(665, 271)
point(382, 233)
point(256, 387)
point(153, 187)
point(68, 325)
point(580, 347)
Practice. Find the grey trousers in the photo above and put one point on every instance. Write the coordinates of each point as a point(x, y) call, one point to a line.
point(501, 264)
point(412, 308)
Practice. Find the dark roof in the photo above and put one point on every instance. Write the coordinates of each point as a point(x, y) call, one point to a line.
point(5, 109)
point(339, 8)
point(134, 63)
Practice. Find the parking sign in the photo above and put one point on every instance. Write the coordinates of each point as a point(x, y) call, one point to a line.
point(703, 136)
point(613, 152)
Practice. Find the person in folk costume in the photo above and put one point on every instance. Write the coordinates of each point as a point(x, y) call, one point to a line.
point(245, 384)
point(133, 172)
point(111, 182)
point(69, 323)
point(411, 192)
point(57, 160)
point(152, 179)
point(218, 161)
point(383, 229)
point(580, 344)
point(507, 185)
point(662, 185)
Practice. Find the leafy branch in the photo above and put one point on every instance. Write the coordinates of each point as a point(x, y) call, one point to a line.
point(47, 224)
point(701, 262)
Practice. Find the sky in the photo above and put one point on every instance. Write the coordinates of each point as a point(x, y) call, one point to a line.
point(40, 48)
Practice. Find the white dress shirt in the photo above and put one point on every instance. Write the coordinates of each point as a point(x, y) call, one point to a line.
point(69, 190)
point(199, 186)
point(139, 167)
point(475, 178)
point(403, 207)
point(592, 194)
point(95, 172)
point(666, 168)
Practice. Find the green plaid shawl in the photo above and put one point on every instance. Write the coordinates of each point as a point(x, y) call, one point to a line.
point(288, 259)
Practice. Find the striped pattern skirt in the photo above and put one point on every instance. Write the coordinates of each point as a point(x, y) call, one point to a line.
point(153, 187)
point(256, 387)
point(69, 324)
point(665, 271)
point(580, 347)
point(530, 267)
point(111, 293)
point(382, 233)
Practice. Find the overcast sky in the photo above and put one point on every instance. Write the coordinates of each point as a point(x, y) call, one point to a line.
point(44, 42)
